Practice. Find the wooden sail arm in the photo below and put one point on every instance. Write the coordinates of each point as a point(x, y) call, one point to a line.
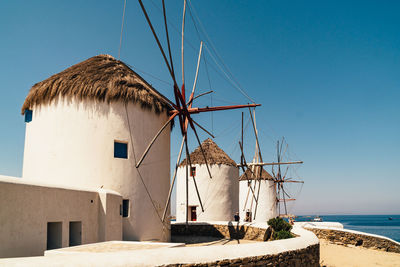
point(200, 95)
point(291, 181)
point(271, 163)
point(286, 199)
point(218, 108)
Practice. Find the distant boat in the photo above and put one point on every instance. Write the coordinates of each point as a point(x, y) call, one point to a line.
point(317, 219)
point(390, 218)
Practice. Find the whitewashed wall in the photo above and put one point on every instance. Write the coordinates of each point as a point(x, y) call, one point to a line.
point(71, 142)
point(219, 194)
point(266, 208)
point(26, 208)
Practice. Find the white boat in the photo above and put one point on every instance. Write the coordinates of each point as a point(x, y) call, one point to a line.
point(317, 219)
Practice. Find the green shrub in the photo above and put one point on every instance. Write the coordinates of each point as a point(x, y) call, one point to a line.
point(282, 234)
point(279, 224)
point(281, 228)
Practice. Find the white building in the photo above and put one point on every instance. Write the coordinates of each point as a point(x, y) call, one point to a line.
point(86, 128)
point(219, 194)
point(264, 189)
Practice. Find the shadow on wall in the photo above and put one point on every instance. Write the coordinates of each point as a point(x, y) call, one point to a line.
point(231, 231)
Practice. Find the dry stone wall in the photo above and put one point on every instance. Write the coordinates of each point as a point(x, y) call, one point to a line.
point(349, 238)
point(223, 231)
point(307, 257)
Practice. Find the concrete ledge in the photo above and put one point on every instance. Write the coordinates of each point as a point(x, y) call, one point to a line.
point(111, 246)
point(300, 251)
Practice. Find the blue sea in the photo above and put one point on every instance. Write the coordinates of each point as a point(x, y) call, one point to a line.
point(373, 224)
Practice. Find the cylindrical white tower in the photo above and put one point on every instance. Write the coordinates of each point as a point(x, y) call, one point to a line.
point(219, 194)
point(88, 125)
point(264, 190)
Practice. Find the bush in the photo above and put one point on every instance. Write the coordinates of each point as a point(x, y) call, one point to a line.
point(281, 228)
point(282, 234)
point(279, 224)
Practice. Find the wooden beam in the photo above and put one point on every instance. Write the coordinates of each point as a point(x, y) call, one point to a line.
point(270, 163)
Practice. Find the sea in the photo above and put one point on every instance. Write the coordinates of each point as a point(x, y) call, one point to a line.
point(386, 225)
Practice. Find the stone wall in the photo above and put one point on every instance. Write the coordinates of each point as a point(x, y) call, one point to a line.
point(307, 257)
point(231, 231)
point(349, 238)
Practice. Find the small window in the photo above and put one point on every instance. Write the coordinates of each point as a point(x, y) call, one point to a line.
point(125, 208)
point(193, 213)
point(28, 115)
point(120, 150)
point(193, 171)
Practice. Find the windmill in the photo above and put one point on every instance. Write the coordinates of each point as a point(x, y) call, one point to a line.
point(182, 108)
point(260, 180)
point(279, 179)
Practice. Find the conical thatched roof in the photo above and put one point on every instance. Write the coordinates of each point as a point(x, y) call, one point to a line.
point(214, 155)
point(100, 78)
point(248, 175)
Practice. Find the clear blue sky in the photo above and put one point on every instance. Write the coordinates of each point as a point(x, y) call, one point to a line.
point(327, 74)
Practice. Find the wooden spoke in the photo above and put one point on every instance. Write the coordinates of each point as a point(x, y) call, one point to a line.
point(187, 186)
point(284, 201)
point(273, 163)
point(200, 95)
point(293, 181)
point(194, 180)
point(204, 129)
point(255, 133)
point(258, 195)
point(247, 197)
point(157, 40)
point(167, 35)
point(287, 168)
point(284, 192)
point(182, 47)
point(195, 77)
point(154, 139)
point(244, 161)
point(201, 148)
point(173, 181)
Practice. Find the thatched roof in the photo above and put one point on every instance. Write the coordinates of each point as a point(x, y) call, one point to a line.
point(214, 155)
point(100, 78)
point(248, 175)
